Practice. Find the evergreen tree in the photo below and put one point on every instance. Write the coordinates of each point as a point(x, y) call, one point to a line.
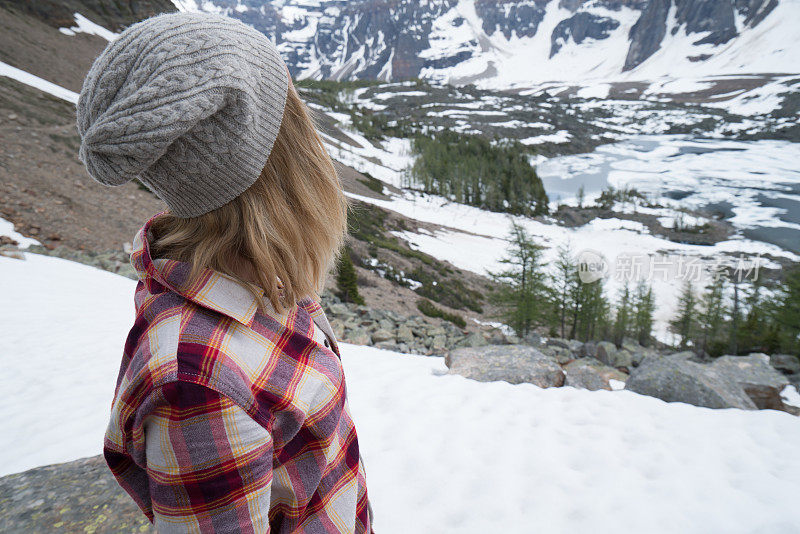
point(473, 170)
point(347, 280)
point(644, 306)
point(787, 312)
point(623, 316)
point(711, 318)
point(683, 324)
point(523, 295)
point(592, 317)
point(566, 284)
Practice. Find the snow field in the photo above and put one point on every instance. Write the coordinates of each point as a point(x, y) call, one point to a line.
point(442, 453)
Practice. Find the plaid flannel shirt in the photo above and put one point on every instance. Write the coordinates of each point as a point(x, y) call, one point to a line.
point(226, 419)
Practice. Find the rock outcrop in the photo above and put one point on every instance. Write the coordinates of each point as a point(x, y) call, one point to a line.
point(515, 364)
point(677, 379)
point(591, 374)
point(757, 378)
point(78, 496)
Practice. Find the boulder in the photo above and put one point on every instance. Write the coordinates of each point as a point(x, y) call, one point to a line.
point(439, 342)
point(788, 364)
point(533, 339)
point(557, 342)
point(404, 334)
point(639, 356)
point(794, 380)
point(515, 364)
point(588, 350)
point(762, 383)
point(338, 328)
point(605, 352)
point(475, 339)
point(77, 496)
point(382, 335)
point(386, 324)
point(591, 374)
point(613, 357)
point(436, 331)
point(677, 379)
point(340, 310)
point(561, 354)
point(357, 336)
point(631, 345)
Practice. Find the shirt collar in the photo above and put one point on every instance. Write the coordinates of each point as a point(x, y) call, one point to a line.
point(211, 289)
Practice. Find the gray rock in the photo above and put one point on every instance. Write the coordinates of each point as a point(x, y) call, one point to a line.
point(622, 358)
point(676, 379)
point(605, 352)
point(591, 374)
point(557, 342)
point(515, 364)
point(609, 354)
point(338, 328)
point(436, 331)
point(786, 363)
point(382, 335)
point(639, 356)
point(439, 343)
point(77, 496)
point(533, 339)
point(358, 336)
point(340, 310)
point(404, 334)
point(631, 345)
point(588, 350)
point(386, 324)
point(756, 376)
point(794, 380)
point(475, 339)
point(386, 345)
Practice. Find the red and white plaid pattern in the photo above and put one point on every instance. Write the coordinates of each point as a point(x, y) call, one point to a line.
point(226, 419)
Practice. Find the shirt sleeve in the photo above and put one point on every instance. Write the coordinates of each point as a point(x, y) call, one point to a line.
point(209, 464)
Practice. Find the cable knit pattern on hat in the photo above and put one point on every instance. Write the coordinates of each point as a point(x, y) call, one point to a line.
point(189, 103)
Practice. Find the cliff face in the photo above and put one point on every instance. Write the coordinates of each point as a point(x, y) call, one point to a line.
point(457, 41)
point(400, 39)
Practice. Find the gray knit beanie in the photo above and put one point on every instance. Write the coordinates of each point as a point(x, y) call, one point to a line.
point(189, 103)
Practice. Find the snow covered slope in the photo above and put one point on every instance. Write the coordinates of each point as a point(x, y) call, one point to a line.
point(443, 453)
point(498, 44)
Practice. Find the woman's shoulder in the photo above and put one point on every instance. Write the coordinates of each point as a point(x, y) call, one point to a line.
point(266, 362)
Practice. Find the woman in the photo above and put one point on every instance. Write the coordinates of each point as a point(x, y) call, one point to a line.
point(229, 413)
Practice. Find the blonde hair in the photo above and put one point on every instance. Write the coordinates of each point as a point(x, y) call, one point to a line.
point(286, 229)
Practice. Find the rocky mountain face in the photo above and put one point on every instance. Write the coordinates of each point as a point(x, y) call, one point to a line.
point(467, 40)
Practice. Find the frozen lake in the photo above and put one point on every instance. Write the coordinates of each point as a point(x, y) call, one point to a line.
point(753, 184)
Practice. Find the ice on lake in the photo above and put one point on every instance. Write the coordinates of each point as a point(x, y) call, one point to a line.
point(753, 184)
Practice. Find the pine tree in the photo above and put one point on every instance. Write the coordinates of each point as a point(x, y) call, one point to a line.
point(711, 318)
point(623, 316)
point(566, 284)
point(592, 317)
point(644, 306)
point(787, 312)
point(523, 294)
point(347, 280)
point(683, 324)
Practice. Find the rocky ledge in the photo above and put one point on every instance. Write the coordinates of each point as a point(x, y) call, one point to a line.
point(78, 496)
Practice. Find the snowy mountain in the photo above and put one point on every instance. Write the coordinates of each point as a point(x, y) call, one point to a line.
point(502, 43)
